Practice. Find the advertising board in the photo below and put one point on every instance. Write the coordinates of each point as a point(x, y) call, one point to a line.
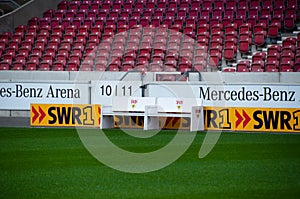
point(19, 96)
point(66, 115)
point(232, 95)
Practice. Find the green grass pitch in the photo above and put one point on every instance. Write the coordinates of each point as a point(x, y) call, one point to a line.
point(53, 163)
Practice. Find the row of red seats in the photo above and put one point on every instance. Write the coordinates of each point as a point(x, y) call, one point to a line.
point(85, 38)
point(61, 49)
point(189, 30)
point(132, 42)
point(55, 43)
point(129, 4)
point(247, 66)
point(284, 58)
point(186, 14)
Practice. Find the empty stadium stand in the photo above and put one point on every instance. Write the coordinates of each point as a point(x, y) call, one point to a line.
point(158, 35)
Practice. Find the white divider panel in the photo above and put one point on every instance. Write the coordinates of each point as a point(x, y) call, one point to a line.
point(197, 119)
point(177, 105)
point(151, 122)
point(135, 104)
point(107, 122)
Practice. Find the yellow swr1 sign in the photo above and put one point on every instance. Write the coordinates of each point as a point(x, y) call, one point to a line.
point(252, 119)
point(81, 115)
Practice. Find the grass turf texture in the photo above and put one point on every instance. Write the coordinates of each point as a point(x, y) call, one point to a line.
point(52, 163)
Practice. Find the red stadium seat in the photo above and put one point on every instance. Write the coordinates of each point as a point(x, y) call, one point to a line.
point(272, 64)
point(244, 46)
point(44, 66)
point(200, 66)
point(289, 22)
point(242, 68)
point(229, 53)
point(274, 49)
point(5, 64)
point(20, 30)
point(215, 59)
point(271, 70)
point(258, 65)
point(274, 30)
point(259, 56)
point(229, 69)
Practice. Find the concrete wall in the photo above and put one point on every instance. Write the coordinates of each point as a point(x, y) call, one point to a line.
point(240, 77)
point(289, 77)
point(36, 75)
point(20, 16)
point(209, 77)
point(79, 76)
point(72, 75)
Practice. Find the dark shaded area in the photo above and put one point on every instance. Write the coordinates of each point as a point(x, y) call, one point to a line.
point(7, 6)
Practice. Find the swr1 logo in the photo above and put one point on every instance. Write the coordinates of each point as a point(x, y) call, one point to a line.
point(71, 115)
point(277, 120)
point(252, 119)
point(216, 119)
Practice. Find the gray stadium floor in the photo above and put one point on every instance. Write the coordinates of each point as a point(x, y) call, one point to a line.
point(14, 122)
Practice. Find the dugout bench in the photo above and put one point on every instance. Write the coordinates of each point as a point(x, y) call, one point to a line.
point(151, 108)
